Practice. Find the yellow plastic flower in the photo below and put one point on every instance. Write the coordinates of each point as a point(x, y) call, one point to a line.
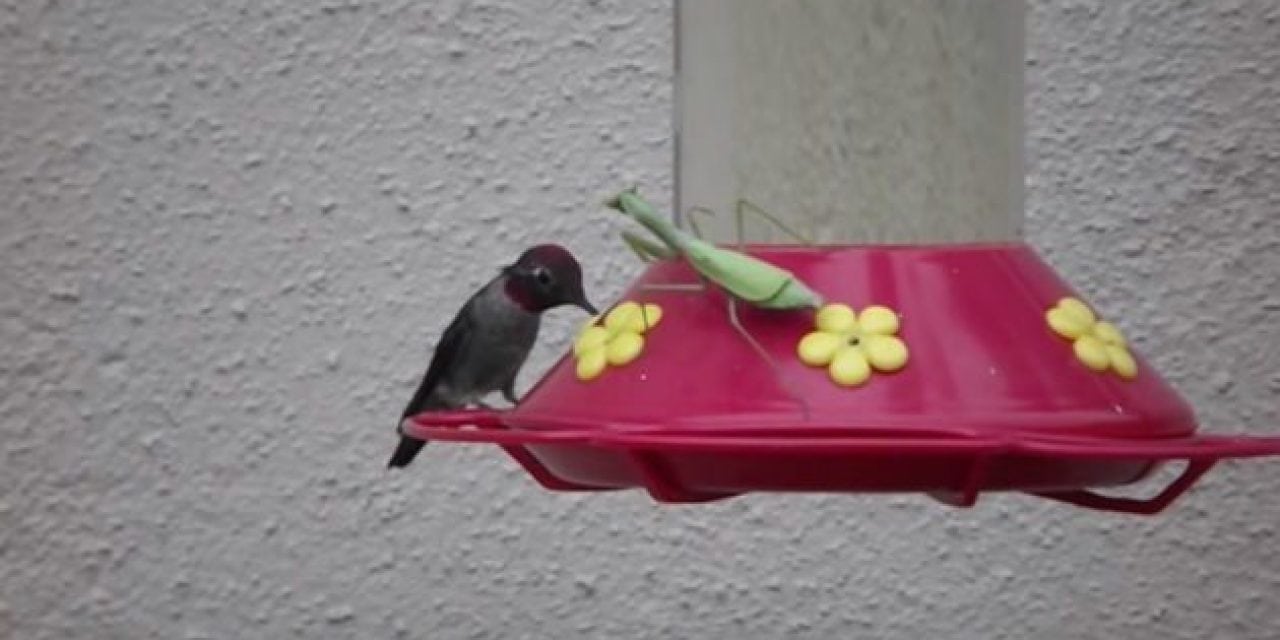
point(1097, 343)
point(617, 341)
point(850, 345)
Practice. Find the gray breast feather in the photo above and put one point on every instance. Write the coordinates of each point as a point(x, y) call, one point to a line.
point(503, 336)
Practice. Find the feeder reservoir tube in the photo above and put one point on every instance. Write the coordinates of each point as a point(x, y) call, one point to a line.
point(854, 121)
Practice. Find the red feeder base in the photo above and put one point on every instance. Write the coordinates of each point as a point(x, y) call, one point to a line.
point(991, 398)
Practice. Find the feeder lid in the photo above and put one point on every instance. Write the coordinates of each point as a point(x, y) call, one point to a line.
point(981, 355)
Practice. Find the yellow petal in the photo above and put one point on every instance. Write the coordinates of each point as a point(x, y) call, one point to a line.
point(592, 337)
point(886, 353)
point(1065, 323)
point(624, 348)
point(1093, 353)
point(1108, 333)
point(624, 317)
point(878, 320)
point(1080, 310)
point(652, 314)
point(818, 348)
point(591, 364)
point(837, 318)
point(1122, 362)
point(850, 368)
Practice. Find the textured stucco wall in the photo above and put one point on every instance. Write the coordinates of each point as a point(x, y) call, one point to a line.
point(228, 234)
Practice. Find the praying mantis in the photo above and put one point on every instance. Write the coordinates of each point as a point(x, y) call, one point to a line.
point(743, 277)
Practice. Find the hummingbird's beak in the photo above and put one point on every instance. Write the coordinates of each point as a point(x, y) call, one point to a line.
point(586, 306)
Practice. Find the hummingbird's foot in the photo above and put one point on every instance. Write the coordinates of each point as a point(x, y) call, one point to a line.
point(511, 397)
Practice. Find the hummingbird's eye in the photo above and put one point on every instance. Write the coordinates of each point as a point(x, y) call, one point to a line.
point(542, 276)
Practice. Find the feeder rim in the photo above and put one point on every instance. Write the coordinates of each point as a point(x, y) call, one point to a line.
point(488, 427)
point(644, 448)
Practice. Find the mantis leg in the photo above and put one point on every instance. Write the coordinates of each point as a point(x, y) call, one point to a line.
point(759, 349)
point(648, 250)
point(745, 205)
point(693, 222)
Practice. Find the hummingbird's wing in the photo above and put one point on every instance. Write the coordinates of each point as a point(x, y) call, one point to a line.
point(452, 344)
point(448, 350)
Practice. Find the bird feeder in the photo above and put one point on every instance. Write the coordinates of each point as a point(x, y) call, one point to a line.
point(947, 358)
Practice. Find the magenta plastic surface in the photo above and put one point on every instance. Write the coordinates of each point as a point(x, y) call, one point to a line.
point(991, 399)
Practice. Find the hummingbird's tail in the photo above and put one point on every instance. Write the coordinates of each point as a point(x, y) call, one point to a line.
point(405, 453)
point(423, 400)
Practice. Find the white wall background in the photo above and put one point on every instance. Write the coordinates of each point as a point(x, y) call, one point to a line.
point(231, 231)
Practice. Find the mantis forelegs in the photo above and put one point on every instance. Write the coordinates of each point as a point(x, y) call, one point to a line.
point(648, 250)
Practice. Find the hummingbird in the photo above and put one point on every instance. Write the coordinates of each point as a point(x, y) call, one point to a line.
point(489, 339)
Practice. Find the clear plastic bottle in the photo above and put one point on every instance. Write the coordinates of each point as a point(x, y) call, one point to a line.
point(855, 121)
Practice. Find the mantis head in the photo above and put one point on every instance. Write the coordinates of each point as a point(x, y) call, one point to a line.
point(616, 201)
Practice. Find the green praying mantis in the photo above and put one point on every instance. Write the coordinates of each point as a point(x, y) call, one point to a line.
point(743, 277)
